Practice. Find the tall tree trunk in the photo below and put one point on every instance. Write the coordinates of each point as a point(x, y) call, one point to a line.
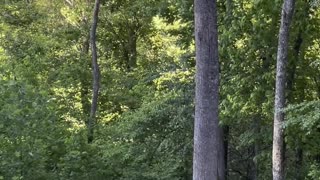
point(208, 157)
point(278, 149)
point(95, 73)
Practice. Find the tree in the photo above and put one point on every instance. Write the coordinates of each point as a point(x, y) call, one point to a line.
point(208, 162)
point(95, 72)
point(282, 55)
point(146, 96)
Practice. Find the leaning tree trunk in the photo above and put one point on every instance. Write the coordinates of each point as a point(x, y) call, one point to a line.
point(95, 73)
point(278, 149)
point(208, 160)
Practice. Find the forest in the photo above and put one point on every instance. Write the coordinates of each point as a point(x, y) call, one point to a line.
point(159, 89)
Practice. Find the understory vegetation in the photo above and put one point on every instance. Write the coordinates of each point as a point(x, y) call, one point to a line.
point(145, 115)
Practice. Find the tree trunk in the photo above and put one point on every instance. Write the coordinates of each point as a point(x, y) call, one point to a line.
point(208, 160)
point(95, 73)
point(278, 149)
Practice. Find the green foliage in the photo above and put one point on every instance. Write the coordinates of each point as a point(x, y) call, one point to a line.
point(314, 172)
point(145, 113)
point(155, 140)
point(28, 127)
point(303, 123)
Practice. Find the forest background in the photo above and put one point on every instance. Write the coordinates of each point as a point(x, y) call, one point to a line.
point(144, 123)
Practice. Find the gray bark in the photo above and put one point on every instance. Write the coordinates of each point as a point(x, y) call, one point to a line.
point(208, 157)
point(278, 149)
point(95, 73)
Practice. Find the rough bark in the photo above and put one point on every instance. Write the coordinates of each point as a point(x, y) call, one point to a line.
point(278, 132)
point(208, 157)
point(95, 73)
